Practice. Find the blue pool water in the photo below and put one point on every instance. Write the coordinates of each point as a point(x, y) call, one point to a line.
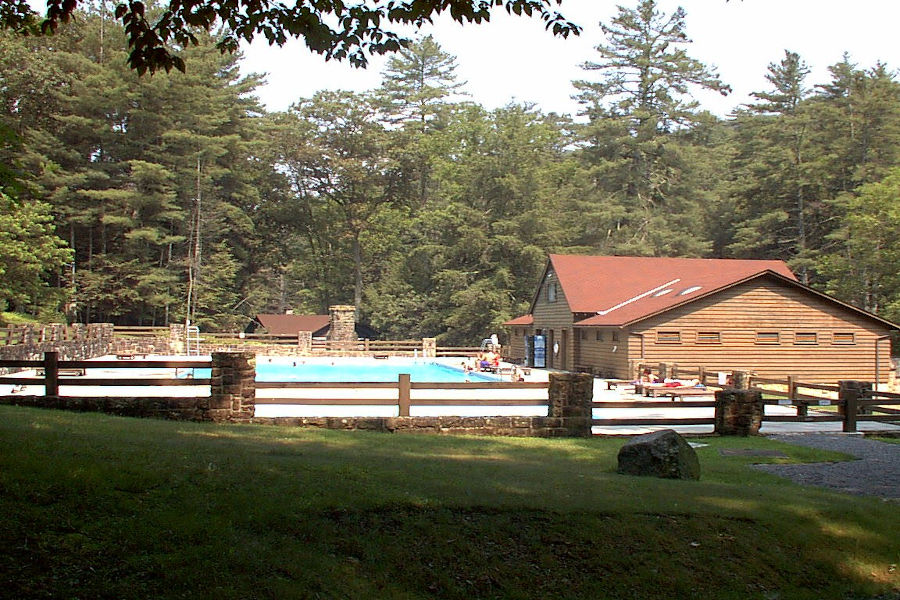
point(363, 371)
point(348, 370)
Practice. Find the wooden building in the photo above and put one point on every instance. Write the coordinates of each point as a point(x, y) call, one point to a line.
point(319, 325)
point(608, 314)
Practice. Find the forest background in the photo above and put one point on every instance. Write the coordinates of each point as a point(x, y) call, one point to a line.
point(151, 200)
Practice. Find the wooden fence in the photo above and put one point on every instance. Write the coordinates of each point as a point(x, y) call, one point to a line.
point(830, 403)
point(52, 373)
point(404, 398)
point(213, 340)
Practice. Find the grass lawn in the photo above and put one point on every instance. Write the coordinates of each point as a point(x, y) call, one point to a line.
point(96, 506)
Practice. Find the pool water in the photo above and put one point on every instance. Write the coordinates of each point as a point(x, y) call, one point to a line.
point(358, 370)
point(383, 370)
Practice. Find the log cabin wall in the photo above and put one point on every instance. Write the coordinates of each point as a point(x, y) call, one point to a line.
point(605, 349)
point(515, 346)
point(553, 318)
point(770, 329)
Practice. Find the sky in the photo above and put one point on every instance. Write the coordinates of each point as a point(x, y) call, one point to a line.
point(513, 59)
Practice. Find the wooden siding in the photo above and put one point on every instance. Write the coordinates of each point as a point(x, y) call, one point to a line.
point(555, 321)
point(765, 306)
point(608, 356)
point(515, 347)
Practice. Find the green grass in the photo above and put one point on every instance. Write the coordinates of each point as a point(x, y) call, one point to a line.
point(103, 507)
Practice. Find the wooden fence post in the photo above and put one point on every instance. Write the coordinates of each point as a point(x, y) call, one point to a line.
point(403, 395)
point(802, 406)
point(849, 395)
point(51, 374)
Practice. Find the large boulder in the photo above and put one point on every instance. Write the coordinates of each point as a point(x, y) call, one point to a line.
point(659, 454)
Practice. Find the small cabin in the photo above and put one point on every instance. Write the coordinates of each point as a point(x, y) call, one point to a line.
point(607, 314)
point(321, 326)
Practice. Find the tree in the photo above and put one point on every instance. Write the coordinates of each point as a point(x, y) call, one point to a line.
point(31, 254)
point(416, 83)
point(772, 167)
point(865, 272)
point(331, 28)
point(341, 176)
point(641, 100)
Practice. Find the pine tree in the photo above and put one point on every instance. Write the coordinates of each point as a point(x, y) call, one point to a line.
point(641, 100)
point(772, 171)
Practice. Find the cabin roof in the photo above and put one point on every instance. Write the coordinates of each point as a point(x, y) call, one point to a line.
point(523, 320)
point(278, 324)
point(622, 289)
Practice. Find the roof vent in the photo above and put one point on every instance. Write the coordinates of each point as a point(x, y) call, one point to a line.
point(689, 290)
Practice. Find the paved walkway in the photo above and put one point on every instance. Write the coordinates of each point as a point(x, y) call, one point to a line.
point(875, 473)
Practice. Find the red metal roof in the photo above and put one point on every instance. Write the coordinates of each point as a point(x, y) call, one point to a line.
point(622, 289)
point(291, 324)
point(523, 320)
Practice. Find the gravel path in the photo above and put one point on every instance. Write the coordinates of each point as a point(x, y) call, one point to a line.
point(875, 473)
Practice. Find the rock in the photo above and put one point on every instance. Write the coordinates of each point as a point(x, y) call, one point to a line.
point(659, 454)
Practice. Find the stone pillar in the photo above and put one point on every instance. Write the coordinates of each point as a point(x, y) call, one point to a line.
point(232, 388)
point(78, 332)
point(849, 394)
point(740, 380)
point(570, 397)
point(738, 412)
point(54, 332)
point(28, 334)
point(429, 347)
point(343, 323)
point(304, 342)
point(177, 338)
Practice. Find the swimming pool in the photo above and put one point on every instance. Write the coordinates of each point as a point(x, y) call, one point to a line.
point(363, 370)
point(358, 370)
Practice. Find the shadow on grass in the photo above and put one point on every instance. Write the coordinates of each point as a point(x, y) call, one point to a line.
point(120, 508)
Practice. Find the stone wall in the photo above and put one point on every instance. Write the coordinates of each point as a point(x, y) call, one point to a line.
point(499, 426)
point(175, 408)
point(84, 342)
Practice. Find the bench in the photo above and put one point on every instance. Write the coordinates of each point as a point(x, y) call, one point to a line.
point(612, 384)
point(679, 392)
point(40, 372)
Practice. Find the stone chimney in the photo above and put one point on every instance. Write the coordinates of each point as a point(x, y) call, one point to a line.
point(343, 323)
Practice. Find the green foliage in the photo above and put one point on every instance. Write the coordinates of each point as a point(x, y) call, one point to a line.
point(637, 110)
point(334, 30)
point(100, 506)
point(31, 253)
point(434, 216)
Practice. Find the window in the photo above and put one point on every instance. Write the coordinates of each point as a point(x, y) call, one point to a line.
point(615, 336)
point(709, 337)
point(806, 338)
point(843, 338)
point(599, 335)
point(668, 337)
point(551, 292)
point(767, 337)
point(584, 334)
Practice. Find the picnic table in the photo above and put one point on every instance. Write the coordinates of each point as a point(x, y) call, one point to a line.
point(680, 392)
